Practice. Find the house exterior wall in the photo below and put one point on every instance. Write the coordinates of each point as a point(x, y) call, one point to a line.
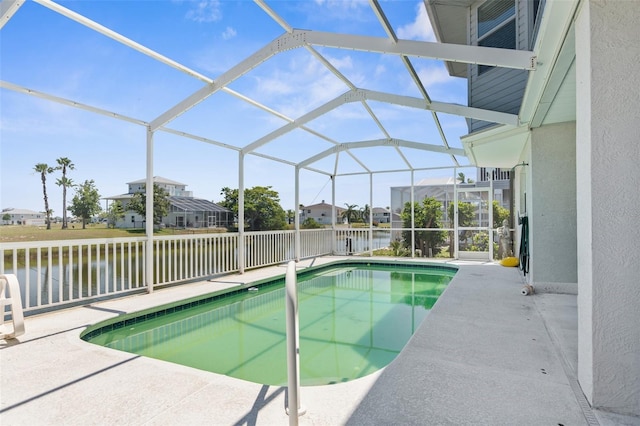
point(23, 217)
point(608, 177)
point(498, 89)
point(381, 216)
point(131, 219)
point(177, 190)
point(552, 212)
point(321, 213)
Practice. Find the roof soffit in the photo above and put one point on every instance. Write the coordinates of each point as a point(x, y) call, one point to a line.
point(498, 146)
point(446, 20)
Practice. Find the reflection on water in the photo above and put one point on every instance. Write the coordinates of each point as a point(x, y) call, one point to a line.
point(55, 275)
point(353, 321)
point(68, 282)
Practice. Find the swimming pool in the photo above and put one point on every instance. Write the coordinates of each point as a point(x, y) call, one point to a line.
point(354, 319)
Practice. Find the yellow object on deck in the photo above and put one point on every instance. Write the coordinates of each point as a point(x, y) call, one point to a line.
point(509, 261)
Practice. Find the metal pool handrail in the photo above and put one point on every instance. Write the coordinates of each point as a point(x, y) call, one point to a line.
point(293, 344)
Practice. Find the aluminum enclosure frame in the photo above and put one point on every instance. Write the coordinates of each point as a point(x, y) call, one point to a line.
point(307, 39)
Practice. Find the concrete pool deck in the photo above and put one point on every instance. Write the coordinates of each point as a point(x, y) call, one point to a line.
point(484, 355)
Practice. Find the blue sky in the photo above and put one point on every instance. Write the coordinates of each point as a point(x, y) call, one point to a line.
point(47, 52)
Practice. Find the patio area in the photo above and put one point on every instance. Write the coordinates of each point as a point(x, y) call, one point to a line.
point(485, 355)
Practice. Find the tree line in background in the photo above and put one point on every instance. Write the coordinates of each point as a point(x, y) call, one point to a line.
point(262, 210)
point(262, 204)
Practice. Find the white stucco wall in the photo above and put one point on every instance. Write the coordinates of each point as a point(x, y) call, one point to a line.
point(552, 211)
point(608, 200)
point(521, 194)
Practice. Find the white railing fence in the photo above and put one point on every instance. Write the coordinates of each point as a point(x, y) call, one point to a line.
point(188, 257)
point(54, 273)
point(315, 242)
point(59, 273)
point(361, 240)
point(268, 248)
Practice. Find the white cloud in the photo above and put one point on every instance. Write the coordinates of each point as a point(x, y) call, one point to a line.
point(343, 4)
point(275, 85)
point(434, 75)
point(420, 28)
point(303, 84)
point(340, 10)
point(205, 11)
point(441, 85)
point(228, 33)
point(344, 63)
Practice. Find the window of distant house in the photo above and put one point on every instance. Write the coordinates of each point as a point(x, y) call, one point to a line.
point(496, 26)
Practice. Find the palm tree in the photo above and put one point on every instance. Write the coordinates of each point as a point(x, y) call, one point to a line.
point(65, 183)
point(44, 170)
point(350, 213)
point(364, 213)
point(461, 177)
point(63, 164)
point(290, 216)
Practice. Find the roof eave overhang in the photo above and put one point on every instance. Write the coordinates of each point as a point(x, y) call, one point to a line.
point(499, 146)
point(446, 17)
point(502, 145)
point(555, 52)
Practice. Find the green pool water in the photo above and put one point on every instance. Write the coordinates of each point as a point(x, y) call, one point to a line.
point(353, 321)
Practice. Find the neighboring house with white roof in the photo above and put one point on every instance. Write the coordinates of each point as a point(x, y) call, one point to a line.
point(23, 217)
point(321, 213)
point(185, 211)
point(381, 215)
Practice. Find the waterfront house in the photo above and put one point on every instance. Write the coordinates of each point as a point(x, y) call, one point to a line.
point(185, 211)
point(23, 217)
point(321, 213)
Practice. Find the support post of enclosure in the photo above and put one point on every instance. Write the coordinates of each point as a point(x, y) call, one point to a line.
point(334, 235)
point(148, 260)
point(490, 208)
point(370, 214)
point(297, 218)
point(413, 220)
point(293, 346)
point(241, 242)
point(456, 233)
